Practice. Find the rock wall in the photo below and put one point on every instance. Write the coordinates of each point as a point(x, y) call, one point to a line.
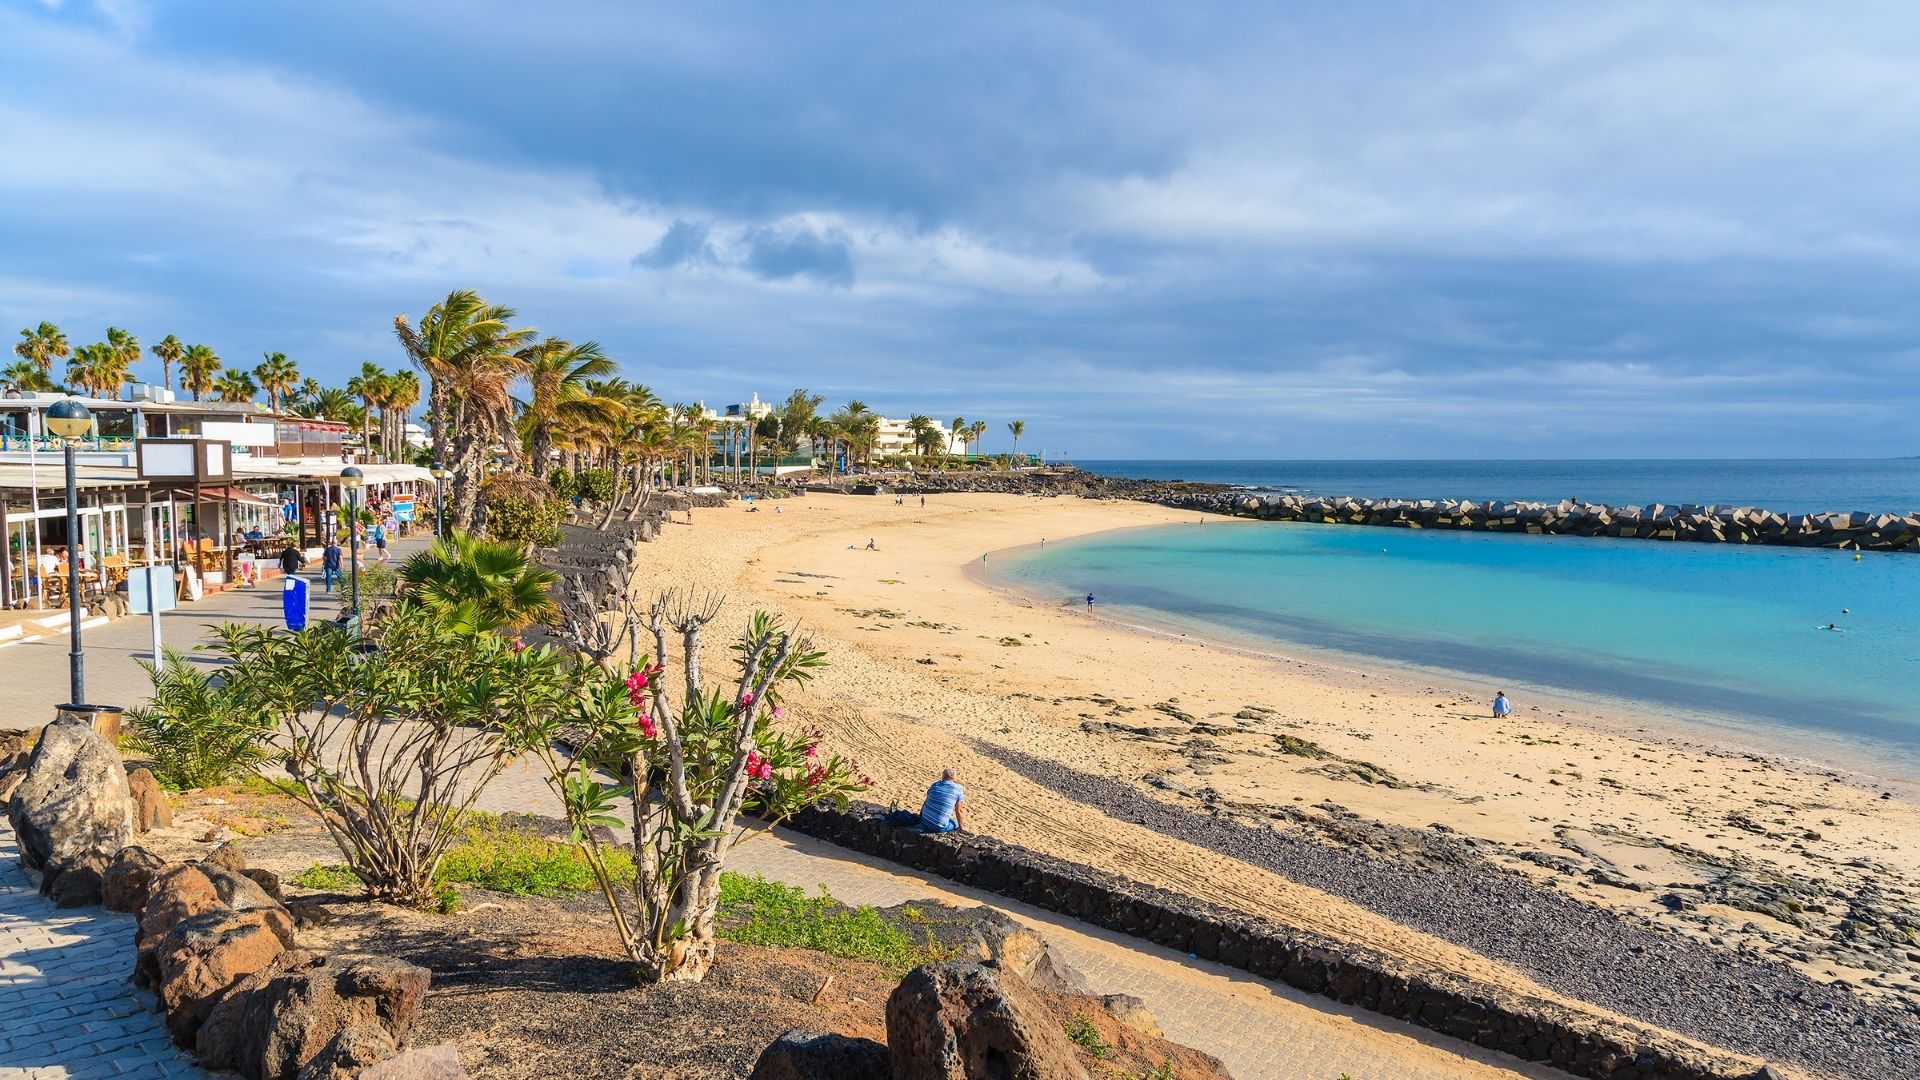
point(1699, 524)
point(1657, 521)
point(1526, 1027)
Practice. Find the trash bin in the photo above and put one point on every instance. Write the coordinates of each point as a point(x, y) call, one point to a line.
point(104, 718)
point(293, 601)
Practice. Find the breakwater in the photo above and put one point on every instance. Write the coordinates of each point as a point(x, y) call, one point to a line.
point(1686, 522)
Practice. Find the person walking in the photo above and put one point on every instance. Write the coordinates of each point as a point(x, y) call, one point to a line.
point(291, 559)
point(330, 563)
point(380, 541)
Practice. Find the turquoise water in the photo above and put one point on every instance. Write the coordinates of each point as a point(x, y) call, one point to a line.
point(1732, 631)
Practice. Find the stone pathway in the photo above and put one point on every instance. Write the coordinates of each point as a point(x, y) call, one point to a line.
point(67, 1009)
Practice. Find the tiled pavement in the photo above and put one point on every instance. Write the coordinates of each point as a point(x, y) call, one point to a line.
point(67, 1011)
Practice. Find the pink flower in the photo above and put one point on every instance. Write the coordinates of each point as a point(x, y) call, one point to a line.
point(645, 724)
point(811, 750)
point(758, 767)
point(778, 712)
point(746, 700)
point(519, 646)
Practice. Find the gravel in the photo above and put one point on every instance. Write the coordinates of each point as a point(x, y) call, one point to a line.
point(1739, 1003)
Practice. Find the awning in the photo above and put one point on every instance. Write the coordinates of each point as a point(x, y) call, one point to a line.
point(212, 493)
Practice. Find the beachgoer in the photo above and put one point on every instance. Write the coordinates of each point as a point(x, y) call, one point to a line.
point(1835, 629)
point(291, 559)
point(870, 544)
point(944, 811)
point(1089, 601)
point(923, 500)
point(1043, 541)
point(1501, 706)
point(380, 541)
point(778, 509)
point(330, 564)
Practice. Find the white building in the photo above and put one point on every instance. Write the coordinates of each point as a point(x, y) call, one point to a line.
point(896, 439)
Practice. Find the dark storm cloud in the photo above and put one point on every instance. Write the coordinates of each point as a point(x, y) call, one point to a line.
point(685, 244)
point(779, 254)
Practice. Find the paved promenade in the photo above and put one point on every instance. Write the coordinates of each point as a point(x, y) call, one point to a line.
point(67, 1010)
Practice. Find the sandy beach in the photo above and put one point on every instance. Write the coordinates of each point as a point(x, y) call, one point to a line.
point(1333, 796)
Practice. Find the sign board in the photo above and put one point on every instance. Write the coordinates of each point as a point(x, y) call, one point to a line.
point(403, 509)
point(184, 461)
point(164, 592)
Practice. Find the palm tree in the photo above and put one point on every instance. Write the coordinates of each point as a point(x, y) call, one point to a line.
point(975, 432)
point(101, 368)
point(1017, 428)
point(23, 375)
point(957, 431)
point(197, 369)
point(169, 351)
point(922, 430)
point(41, 346)
point(557, 374)
point(277, 375)
point(124, 349)
point(328, 403)
point(479, 585)
point(309, 388)
point(235, 385)
point(471, 358)
point(363, 386)
point(401, 392)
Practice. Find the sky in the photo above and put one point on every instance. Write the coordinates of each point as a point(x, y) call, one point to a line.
point(1262, 230)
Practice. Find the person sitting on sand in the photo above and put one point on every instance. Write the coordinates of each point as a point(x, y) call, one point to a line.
point(1501, 706)
point(945, 809)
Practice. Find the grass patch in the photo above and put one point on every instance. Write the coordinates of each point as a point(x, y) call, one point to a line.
point(329, 879)
point(755, 911)
point(507, 860)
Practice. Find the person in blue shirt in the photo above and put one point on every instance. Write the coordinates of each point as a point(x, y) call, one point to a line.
point(1501, 706)
point(330, 564)
point(944, 810)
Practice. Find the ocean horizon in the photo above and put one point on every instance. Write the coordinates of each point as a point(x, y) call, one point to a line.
point(1786, 485)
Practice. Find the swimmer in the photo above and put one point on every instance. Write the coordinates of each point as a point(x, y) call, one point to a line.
point(1835, 629)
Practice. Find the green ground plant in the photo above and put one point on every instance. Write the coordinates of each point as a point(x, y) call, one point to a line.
point(755, 911)
point(198, 731)
point(329, 878)
point(1082, 1033)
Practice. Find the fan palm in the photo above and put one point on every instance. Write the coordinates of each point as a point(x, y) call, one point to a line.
point(329, 403)
point(197, 370)
point(365, 386)
point(98, 369)
point(400, 392)
point(170, 352)
point(1016, 428)
point(277, 376)
point(23, 375)
point(479, 585)
point(124, 352)
point(41, 346)
point(975, 432)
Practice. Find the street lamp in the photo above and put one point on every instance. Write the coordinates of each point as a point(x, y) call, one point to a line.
point(70, 420)
point(440, 472)
point(352, 479)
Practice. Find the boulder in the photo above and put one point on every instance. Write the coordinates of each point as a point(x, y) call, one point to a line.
point(423, 1063)
point(811, 1055)
point(1132, 1012)
point(228, 855)
point(350, 1053)
point(73, 801)
point(277, 1020)
point(207, 953)
point(151, 809)
point(236, 889)
point(129, 875)
point(268, 881)
point(1016, 948)
point(175, 895)
point(75, 883)
point(961, 1019)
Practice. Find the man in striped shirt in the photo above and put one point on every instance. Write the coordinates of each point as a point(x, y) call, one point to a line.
point(945, 809)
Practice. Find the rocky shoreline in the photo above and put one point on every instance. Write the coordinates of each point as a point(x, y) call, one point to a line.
point(1687, 522)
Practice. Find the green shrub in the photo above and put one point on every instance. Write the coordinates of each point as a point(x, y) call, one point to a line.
point(1082, 1033)
point(755, 911)
point(327, 878)
point(198, 732)
point(562, 483)
point(595, 485)
point(522, 511)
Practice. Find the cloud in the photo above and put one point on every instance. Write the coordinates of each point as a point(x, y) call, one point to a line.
point(683, 244)
point(778, 254)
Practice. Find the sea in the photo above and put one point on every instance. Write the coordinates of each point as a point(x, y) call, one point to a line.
point(1693, 633)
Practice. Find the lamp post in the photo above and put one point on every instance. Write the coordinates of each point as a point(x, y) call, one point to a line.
point(70, 420)
point(352, 479)
point(439, 471)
